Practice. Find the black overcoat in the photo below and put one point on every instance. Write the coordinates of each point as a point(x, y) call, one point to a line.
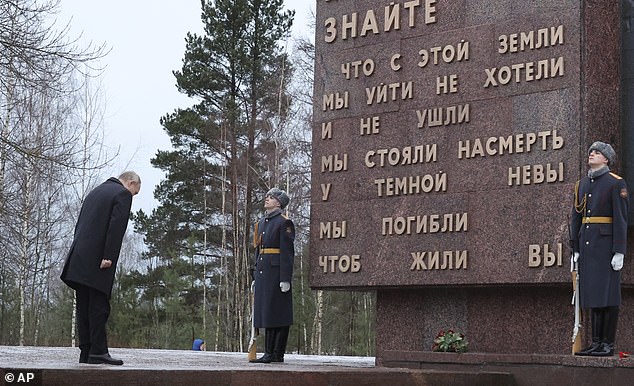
point(603, 197)
point(272, 307)
point(99, 232)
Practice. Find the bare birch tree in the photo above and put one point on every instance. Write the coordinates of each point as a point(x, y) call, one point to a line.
point(40, 151)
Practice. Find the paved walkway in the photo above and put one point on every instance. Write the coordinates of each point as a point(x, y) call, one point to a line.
point(29, 357)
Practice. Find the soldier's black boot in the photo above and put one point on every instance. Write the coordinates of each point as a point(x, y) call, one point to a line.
point(609, 333)
point(269, 344)
point(597, 332)
point(281, 337)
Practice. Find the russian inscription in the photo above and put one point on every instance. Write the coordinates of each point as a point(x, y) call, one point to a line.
point(450, 146)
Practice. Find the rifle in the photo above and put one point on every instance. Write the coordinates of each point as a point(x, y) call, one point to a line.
point(257, 239)
point(576, 339)
point(254, 333)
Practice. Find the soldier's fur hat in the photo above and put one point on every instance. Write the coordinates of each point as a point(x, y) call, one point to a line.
point(280, 196)
point(605, 149)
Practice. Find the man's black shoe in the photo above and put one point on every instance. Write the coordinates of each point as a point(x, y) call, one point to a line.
point(266, 358)
point(105, 359)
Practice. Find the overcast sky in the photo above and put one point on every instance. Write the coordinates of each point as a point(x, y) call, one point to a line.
point(146, 39)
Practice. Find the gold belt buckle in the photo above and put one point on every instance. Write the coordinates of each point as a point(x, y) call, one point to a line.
point(597, 220)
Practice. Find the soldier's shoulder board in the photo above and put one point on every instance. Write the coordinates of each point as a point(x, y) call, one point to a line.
point(616, 176)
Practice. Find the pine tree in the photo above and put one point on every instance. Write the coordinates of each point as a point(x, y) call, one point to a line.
point(217, 168)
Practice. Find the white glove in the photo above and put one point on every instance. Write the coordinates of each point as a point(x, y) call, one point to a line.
point(252, 286)
point(617, 261)
point(573, 260)
point(285, 286)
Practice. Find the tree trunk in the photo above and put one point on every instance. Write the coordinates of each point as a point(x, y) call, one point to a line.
point(21, 289)
point(302, 297)
point(24, 259)
point(317, 323)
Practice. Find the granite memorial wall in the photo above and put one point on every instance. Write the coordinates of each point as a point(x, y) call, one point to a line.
point(447, 137)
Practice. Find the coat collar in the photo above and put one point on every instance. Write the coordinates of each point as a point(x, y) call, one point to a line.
point(114, 179)
point(598, 173)
point(273, 213)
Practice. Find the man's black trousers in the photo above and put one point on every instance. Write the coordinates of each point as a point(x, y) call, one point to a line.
point(93, 309)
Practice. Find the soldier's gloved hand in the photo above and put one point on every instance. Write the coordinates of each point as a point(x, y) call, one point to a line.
point(285, 286)
point(252, 286)
point(573, 260)
point(617, 261)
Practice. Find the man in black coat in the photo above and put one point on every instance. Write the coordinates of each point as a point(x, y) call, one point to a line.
point(92, 261)
point(599, 239)
point(274, 238)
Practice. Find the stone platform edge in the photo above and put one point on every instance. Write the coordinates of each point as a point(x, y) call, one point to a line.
point(526, 369)
point(410, 358)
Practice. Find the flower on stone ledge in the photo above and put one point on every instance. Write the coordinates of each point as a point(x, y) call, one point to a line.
point(450, 341)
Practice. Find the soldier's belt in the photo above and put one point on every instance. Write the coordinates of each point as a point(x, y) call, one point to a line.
point(596, 220)
point(269, 251)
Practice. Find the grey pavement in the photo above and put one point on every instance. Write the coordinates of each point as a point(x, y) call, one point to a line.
point(32, 357)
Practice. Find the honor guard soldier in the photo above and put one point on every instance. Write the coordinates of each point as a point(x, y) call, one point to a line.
point(274, 237)
point(598, 239)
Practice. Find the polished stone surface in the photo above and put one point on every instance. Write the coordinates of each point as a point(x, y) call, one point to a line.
point(503, 279)
point(67, 357)
point(527, 370)
point(496, 187)
point(58, 366)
